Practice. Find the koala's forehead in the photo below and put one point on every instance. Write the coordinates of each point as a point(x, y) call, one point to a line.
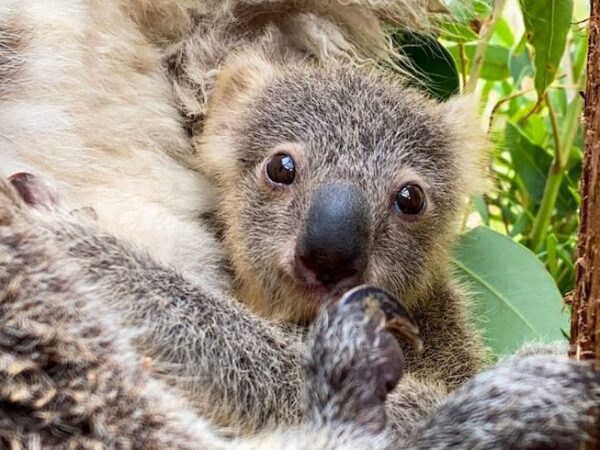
point(350, 116)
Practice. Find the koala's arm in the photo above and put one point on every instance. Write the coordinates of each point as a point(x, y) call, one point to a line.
point(233, 365)
point(526, 402)
point(69, 376)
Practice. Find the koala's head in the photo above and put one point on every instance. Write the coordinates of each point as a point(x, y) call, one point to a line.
point(333, 177)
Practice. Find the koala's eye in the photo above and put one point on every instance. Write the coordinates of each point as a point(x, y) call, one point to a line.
point(410, 199)
point(281, 169)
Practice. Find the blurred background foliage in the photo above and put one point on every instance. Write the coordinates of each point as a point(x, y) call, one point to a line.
point(526, 61)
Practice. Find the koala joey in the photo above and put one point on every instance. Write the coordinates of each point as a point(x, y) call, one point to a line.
point(281, 122)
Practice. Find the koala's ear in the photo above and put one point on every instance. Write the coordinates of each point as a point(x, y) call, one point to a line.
point(469, 142)
point(241, 79)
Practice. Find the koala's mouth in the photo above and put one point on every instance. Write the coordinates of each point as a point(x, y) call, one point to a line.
point(319, 293)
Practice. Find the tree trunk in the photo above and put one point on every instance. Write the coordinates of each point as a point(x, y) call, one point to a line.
point(585, 321)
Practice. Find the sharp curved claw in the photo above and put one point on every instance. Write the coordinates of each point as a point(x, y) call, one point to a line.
point(398, 321)
point(32, 190)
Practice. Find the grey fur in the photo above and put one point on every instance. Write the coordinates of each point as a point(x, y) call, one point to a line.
point(71, 376)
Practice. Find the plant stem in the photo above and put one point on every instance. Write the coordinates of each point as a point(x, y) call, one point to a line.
point(558, 152)
point(463, 64)
point(562, 150)
point(504, 100)
point(542, 218)
point(484, 39)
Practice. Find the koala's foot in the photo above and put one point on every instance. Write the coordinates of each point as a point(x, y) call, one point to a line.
point(355, 360)
point(533, 402)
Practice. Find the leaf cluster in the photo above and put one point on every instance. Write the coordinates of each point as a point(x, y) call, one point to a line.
point(526, 62)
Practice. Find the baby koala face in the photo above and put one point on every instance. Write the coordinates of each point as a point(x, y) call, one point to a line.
point(333, 178)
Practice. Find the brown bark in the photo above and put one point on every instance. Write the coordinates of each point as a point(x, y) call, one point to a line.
point(585, 320)
point(585, 323)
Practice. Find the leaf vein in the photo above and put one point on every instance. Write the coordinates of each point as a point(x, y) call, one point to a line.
point(496, 293)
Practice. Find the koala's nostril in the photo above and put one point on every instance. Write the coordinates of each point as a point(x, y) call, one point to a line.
point(331, 269)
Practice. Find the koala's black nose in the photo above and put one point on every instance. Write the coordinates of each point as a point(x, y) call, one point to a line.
point(334, 244)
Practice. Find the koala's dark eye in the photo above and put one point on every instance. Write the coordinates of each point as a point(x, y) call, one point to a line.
point(410, 199)
point(281, 169)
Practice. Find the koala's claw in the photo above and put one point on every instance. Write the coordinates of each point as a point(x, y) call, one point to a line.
point(35, 193)
point(32, 190)
point(396, 319)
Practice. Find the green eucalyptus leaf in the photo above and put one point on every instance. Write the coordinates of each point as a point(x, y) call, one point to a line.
point(466, 10)
point(482, 8)
point(522, 222)
point(430, 64)
point(503, 33)
point(580, 54)
point(520, 62)
point(547, 23)
point(515, 298)
point(535, 128)
point(558, 99)
point(495, 63)
point(481, 208)
point(458, 32)
point(530, 161)
point(568, 195)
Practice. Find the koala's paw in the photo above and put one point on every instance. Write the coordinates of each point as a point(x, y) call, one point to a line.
point(523, 403)
point(10, 202)
point(21, 193)
point(355, 359)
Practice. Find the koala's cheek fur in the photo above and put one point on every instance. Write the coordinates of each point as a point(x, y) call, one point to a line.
point(261, 235)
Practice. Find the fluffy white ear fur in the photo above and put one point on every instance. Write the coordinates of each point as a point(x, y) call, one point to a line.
point(471, 143)
point(242, 78)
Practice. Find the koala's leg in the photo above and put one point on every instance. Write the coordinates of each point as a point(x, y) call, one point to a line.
point(531, 402)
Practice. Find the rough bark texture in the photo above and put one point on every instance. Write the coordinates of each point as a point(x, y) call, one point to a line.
point(585, 325)
point(585, 321)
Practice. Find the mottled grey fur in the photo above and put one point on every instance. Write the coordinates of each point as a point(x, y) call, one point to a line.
point(71, 376)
